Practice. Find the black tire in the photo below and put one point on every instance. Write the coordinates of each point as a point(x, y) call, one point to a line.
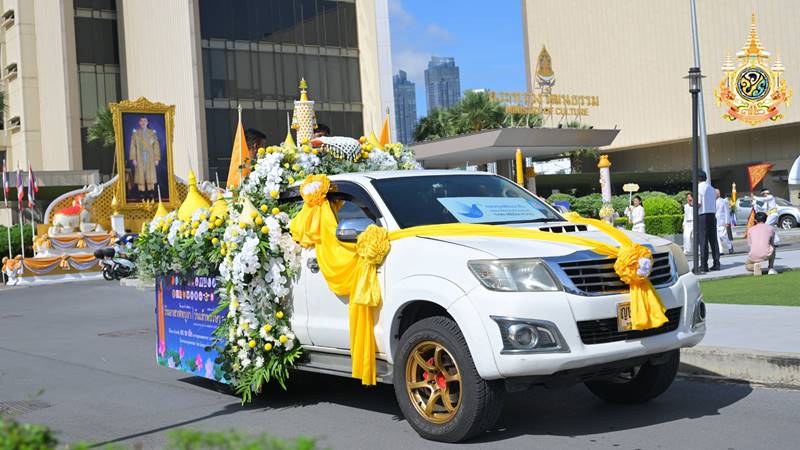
point(647, 383)
point(481, 401)
point(787, 222)
point(108, 275)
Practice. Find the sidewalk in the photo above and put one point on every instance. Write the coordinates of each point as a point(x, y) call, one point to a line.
point(754, 343)
point(786, 258)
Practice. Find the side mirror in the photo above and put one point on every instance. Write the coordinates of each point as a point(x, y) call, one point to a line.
point(349, 229)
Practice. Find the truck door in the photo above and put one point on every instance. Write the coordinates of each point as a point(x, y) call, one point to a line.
point(328, 320)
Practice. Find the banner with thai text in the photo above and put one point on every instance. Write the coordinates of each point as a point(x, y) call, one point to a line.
point(185, 325)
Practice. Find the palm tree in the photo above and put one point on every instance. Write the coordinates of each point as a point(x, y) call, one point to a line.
point(103, 129)
point(477, 111)
point(437, 124)
point(577, 156)
point(521, 120)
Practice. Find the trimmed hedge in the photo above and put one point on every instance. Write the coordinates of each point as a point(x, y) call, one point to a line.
point(664, 224)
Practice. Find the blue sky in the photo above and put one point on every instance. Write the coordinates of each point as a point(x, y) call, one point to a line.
point(484, 37)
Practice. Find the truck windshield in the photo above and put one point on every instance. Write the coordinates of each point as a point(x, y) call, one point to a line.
point(487, 199)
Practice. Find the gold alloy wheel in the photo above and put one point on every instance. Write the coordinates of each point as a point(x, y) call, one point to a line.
point(433, 382)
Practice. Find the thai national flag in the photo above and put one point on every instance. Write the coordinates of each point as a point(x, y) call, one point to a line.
point(20, 188)
point(33, 187)
point(5, 183)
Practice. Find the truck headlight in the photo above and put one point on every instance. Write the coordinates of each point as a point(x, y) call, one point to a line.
point(514, 275)
point(681, 264)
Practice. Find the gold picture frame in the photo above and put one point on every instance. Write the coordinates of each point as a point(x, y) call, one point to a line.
point(138, 182)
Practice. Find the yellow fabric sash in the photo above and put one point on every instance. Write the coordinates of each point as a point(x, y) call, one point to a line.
point(352, 269)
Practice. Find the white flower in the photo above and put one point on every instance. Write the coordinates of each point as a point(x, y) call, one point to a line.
point(259, 361)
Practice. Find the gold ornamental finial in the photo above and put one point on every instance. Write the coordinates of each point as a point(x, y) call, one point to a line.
point(778, 66)
point(303, 90)
point(604, 162)
point(114, 204)
point(753, 47)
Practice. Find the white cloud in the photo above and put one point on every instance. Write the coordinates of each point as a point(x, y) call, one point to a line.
point(436, 32)
point(400, 16)
point(413, 62)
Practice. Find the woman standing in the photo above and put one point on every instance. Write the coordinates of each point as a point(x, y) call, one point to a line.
point(635, 214)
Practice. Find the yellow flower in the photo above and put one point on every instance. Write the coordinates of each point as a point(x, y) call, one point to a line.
point(283, 339)
point(264, 208)
point(235, 348)
point(222, 251)
point(194, 232)
point(267, 328)
point(267, 346)
point(232, 246)
point(305, 141)
point(362, 139)
point(215, 241)
point(373, 244)
point(274, 194)
point(245, 324)
point(251, 344)
point(253, 214)
point(296, 167)
point(314, 151)
point(261, 151)
point(279, 314)
point(306, 149)
point(218, 222)
point(316, 196)
point(265, 230)
point(211, 225)
point(285, 165)
point(195, 224)
point(291, 180)
point(234, 233)
point(242, 225)
point(275, 211)
point(259, 220)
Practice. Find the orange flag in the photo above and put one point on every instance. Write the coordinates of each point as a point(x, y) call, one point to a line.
point(385, 132)
point(239, 156)
point(756, 173)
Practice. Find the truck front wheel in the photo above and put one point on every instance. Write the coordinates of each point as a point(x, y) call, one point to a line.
point(437, 386)
point(638, 384)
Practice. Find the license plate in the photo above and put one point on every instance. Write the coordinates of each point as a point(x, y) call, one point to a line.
point(624, 316)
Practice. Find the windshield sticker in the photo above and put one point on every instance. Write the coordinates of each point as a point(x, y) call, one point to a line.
point(490, 209)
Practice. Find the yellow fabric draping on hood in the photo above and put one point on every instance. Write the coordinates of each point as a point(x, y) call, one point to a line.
point(351, 269)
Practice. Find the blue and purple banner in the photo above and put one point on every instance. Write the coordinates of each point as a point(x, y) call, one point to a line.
point(185, 325)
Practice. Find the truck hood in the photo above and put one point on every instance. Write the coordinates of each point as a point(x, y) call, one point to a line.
point(499, 247)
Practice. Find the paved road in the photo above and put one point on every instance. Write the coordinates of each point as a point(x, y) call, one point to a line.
point(88, 348)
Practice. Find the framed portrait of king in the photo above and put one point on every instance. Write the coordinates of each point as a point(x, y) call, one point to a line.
point(143, 135)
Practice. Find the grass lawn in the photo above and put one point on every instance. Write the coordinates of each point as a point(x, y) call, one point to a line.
point(782, 289)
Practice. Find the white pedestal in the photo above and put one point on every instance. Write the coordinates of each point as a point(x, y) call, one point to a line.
point(118, 224)
point(6, 217)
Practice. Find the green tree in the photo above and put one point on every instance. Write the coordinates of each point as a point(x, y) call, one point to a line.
point(102, 129)
point(577, 156)
point(437, 124)
point(477, 111)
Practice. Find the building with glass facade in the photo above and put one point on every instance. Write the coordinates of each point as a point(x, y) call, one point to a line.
point(442, 83)
point(405, 107)
point(63, 61)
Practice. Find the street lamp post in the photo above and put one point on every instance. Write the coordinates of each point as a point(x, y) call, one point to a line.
point(695, 80)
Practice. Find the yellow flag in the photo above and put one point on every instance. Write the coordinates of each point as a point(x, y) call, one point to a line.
point(384, 137)
point(239, 155)
point(372, 139)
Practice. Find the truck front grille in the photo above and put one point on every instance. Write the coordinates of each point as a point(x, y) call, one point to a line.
point(597, 276)
point(605, 330)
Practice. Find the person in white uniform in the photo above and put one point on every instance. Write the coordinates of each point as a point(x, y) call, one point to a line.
point(635, 214)
point(769, 206)
point(723, 215)
point(688, 229)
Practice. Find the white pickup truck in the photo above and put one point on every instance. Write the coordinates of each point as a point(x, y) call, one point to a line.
point(465, 319)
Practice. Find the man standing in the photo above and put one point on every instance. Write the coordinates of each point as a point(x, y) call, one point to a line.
point(760, 237)
point(145, 154)
point(688, 229)
point(723, 222)
point(707, 226)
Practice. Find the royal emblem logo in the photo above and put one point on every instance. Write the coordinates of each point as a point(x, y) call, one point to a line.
point(753, 90)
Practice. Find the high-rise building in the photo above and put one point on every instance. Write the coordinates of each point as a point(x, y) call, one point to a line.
point(65, 60)
point(442, 83)
point(405, 107)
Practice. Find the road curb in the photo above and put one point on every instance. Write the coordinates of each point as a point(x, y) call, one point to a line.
point(753, 366)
